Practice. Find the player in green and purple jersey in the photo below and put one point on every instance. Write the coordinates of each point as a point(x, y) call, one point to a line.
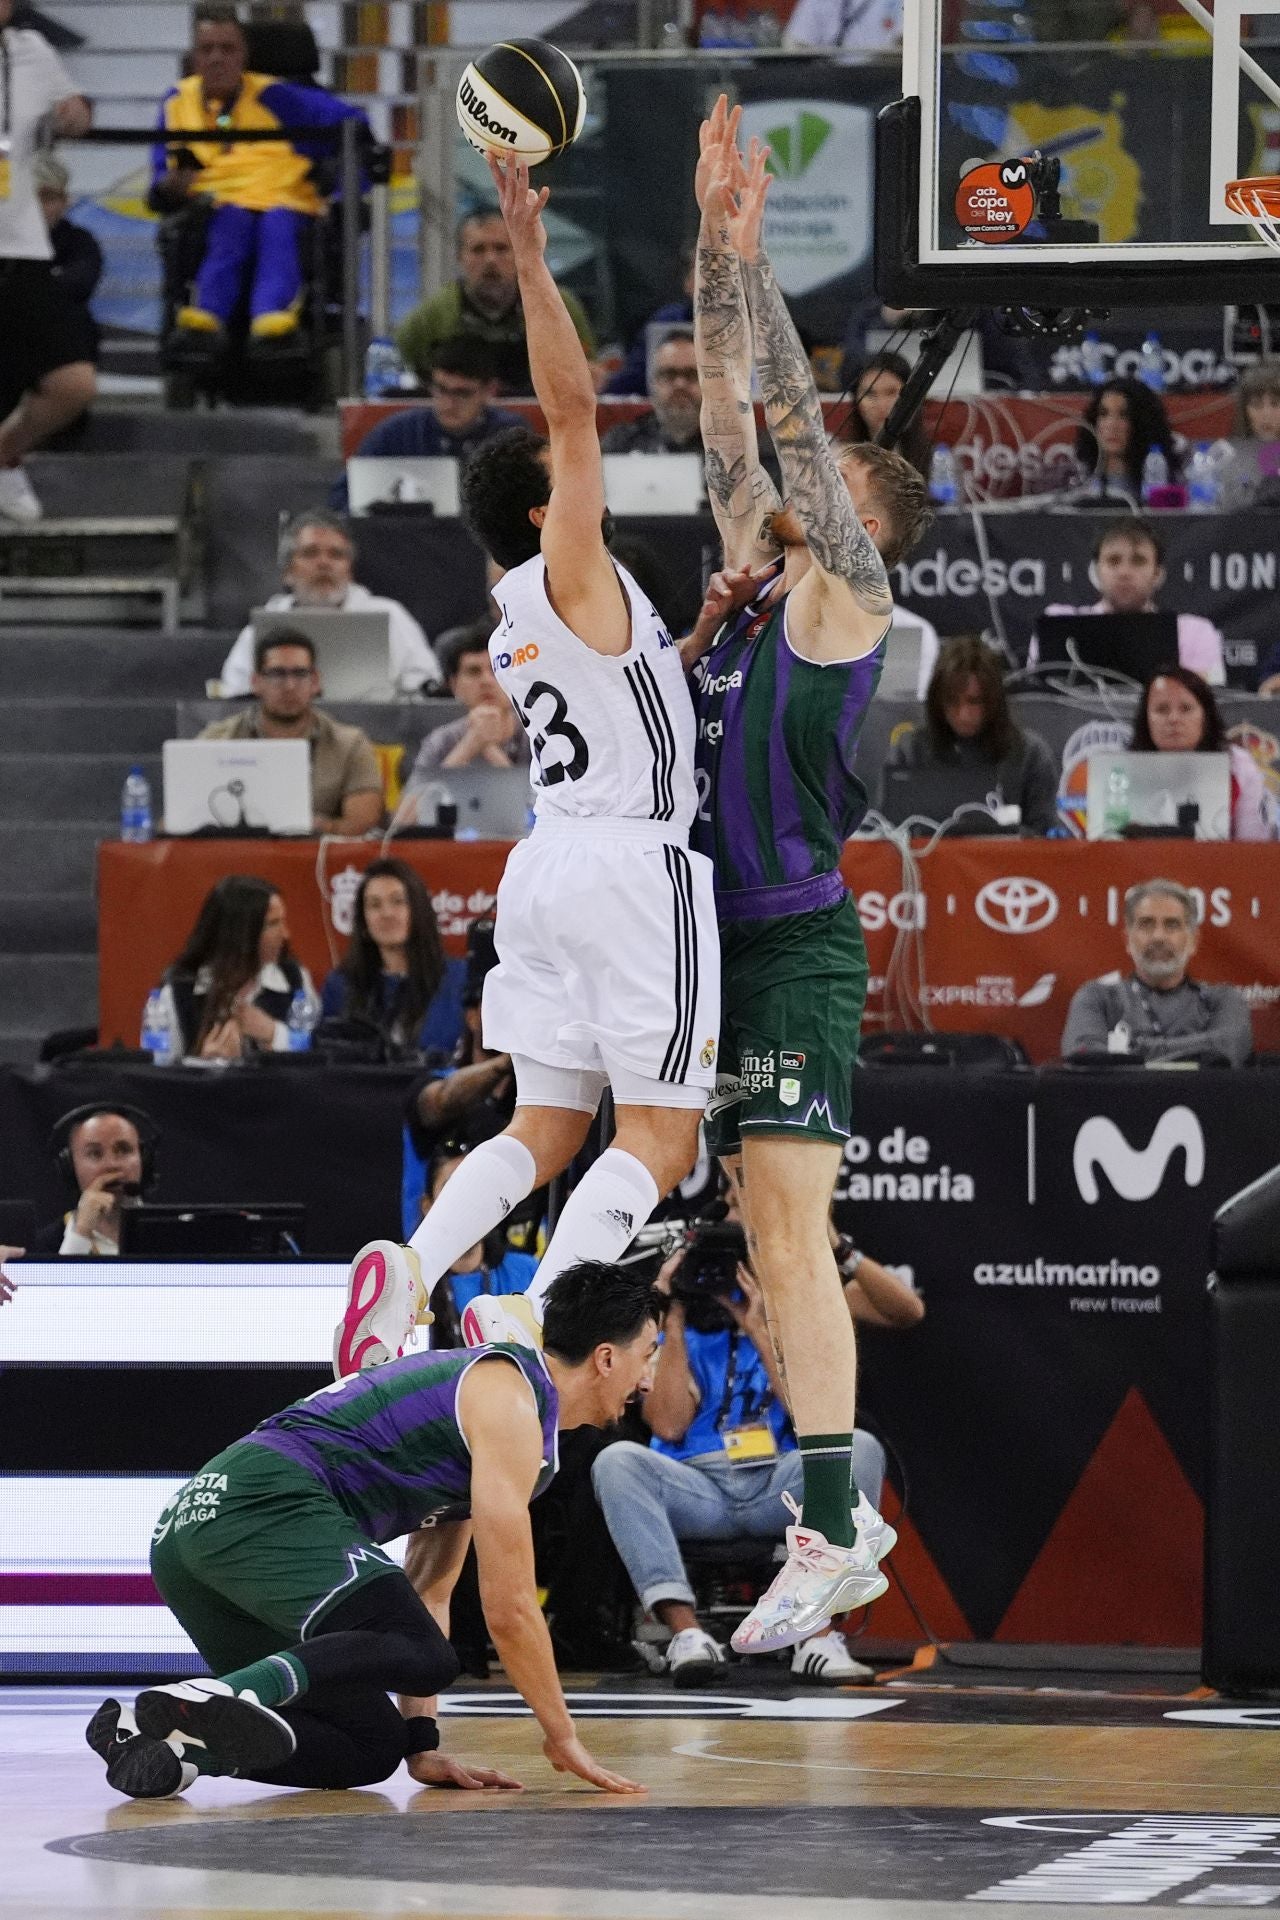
point(271, 1558)
point(780, 696)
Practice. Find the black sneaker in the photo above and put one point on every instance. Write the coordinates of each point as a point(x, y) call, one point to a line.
point(241, 1735)
point(144, 1768)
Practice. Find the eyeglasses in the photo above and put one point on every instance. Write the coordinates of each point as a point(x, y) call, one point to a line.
point(441, 392)
point(310, 552)
point(278, 675)
point(667, 374)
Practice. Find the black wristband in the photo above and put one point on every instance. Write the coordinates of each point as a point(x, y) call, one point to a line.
point(421, 1735)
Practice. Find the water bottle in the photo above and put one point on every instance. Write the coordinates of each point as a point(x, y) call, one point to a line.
point(302, 1018)
point(1155, 474)
point(158, 1036)
point(1115, 817)
point(383, 368)
point(1151, 363)
point(1203, 480)
point(944, 480)
point(135, 808)
point(1093, 360)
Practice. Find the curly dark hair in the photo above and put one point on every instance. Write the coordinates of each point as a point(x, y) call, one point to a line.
point(1148, 427)
point(970, 658)
point(503, 479)
point(362, 963)
point(1214, 737)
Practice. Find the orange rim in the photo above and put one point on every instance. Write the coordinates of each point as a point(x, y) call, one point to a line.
point(1258, 193)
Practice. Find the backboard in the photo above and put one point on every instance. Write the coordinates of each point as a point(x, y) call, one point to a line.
point(1136, 142)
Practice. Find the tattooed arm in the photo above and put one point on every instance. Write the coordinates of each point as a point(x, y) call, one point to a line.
point(741, 493)
point(842, 606)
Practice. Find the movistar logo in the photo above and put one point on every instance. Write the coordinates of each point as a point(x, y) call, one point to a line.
point(794, 148)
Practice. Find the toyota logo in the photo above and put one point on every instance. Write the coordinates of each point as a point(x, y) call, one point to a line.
point(1017, 905)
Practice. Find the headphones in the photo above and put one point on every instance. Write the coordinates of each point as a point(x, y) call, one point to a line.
point(145, 1126)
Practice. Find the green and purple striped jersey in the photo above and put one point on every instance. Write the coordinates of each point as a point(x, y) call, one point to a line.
point(777, 738)
point(388, 1444)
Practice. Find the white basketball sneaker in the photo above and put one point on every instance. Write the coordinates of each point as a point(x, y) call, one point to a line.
point(502, 1320)
point(694, 1658)
point(874, 1529)
point(18, 498)
point(385, 1301)
point(817, 1582)
point(826, 1659)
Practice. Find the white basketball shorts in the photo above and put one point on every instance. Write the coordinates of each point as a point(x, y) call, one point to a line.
point(608, 955)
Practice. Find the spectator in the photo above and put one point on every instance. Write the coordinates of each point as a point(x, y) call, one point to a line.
point(263, 194)
point(1158, 1012)
point(1252, 475)
point(865, 24)
point(106, 1157)
point(1258, 402)
point(672, 425)
point(632, 377)
point(489, 734)
point(484, 304)
point(395, 975)
point(723, 1454)
point(77, 257)
point(229, 991)
point(876, 387)
point(1128, 565)
point(1122, 423)
point(461, 413)
point(47, 380)
point(346, 786)
point(1177, 713)
point(968, 725)
point(317, 559)
point(490, 1267)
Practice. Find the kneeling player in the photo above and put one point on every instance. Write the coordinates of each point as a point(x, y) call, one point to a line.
point(272, 1560)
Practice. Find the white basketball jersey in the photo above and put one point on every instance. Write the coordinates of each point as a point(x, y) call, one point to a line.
point(612, 736)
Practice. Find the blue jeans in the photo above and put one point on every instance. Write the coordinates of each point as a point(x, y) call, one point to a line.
point(651, 1502)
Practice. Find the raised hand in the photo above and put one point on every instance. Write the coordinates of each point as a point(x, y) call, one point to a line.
point(521, 207)
point(719, 162)
point(746, 218)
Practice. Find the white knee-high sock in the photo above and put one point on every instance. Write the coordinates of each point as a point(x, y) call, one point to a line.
point(491, 1181)
point(602, 1217)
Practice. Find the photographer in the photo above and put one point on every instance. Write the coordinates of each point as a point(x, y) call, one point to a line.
point(723, 1452)
point(106, 1156)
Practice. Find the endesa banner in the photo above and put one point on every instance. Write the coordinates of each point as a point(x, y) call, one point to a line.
point(990, 935)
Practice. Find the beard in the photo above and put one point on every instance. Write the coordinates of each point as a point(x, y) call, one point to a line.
point(319, 596)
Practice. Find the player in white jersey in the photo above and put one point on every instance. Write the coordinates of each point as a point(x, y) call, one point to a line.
point(608, 961)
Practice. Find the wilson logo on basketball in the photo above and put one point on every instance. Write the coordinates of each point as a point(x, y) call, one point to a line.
point(479, 111)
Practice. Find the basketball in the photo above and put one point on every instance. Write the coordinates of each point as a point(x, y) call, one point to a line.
point(522, 97)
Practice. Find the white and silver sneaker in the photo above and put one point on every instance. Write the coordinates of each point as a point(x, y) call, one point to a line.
point(385, 1301)
point(874, 1529)
point(817, 1582)
point(18, 498)
point(826, 1659)
point(694, 1658)
point(501, 1320)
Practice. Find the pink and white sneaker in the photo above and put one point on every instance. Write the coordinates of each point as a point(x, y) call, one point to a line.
point(501, 1320)
point(872, 1527)
point(817, 1582)
point(385, 1301)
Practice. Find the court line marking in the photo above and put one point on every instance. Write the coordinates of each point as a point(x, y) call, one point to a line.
point(697, 1750)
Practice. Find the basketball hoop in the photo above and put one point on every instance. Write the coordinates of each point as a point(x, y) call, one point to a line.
point(1258, 199)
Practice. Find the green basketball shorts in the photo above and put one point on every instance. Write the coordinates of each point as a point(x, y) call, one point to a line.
point(792, 993)
point(252, 1552)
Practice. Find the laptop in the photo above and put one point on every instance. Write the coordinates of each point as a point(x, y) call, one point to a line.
point(637, 485)
point(494, 803)
point(1164, 789)
point(224, 1231)
point(900, 675)
point(403, 480)
point(933, 794)
point(238, 786)
point(1131, 643)
point(353, 650)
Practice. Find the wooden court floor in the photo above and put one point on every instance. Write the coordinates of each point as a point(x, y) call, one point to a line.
point(896, 1799)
